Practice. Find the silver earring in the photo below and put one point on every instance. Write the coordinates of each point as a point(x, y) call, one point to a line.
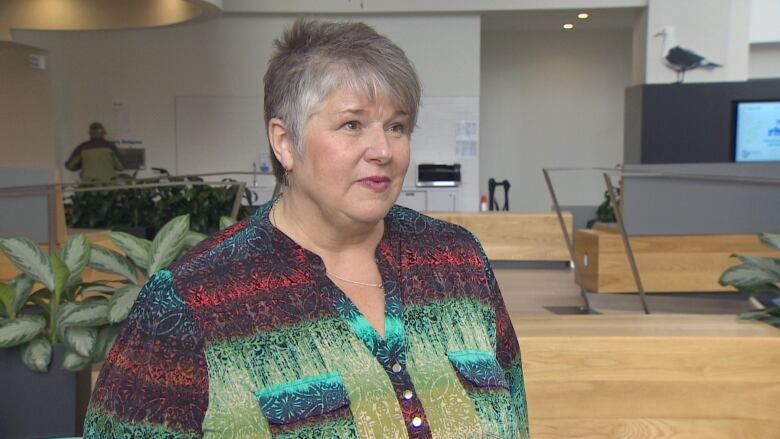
point(286, 178)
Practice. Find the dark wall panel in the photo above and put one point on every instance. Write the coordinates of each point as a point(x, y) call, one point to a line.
point(687, 123)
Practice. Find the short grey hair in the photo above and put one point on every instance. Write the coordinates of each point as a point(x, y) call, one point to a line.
point(313, 59)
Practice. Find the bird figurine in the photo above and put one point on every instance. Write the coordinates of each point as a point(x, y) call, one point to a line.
point(679, 58)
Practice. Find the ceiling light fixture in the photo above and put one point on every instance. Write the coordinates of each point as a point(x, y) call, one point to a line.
point(568, 26)
point(583, 15)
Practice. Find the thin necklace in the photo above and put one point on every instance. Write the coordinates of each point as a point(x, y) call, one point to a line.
point(379, 285)
point(365, 284)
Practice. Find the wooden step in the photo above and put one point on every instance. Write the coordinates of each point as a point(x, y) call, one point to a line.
point(667, 264)
point(650, 376)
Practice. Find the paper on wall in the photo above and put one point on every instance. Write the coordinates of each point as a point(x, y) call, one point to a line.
point(467, 138)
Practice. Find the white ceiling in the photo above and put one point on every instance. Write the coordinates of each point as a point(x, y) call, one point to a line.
point(538, 20)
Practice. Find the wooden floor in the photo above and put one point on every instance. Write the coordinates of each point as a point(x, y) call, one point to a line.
point(691, 369)
point(650, 376)
point(553, 291)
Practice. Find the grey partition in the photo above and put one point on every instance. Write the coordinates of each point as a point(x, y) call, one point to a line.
point(689, 205)
point(26, 215)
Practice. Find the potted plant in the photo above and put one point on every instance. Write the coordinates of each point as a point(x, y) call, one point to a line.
point(758, 275)
point(69, 322)
point(605, 213)
point(142, 211)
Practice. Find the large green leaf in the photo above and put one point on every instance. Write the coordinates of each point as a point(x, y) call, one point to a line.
point(226, 221)
point(7, 296)
point(122, 302)
point(109, 261)
point(74, 362)
point(37, 354)
point(746, 276)
point(751, 315)
point(41, 302)
point(168, 243)
point(75, 254)
point(137, 249)
point(101, 287)
point(21, 330)
point(770, 239)
point(191, 239)
point(86, 313)
point(61, 275)
point(29, 258)
point(105, 339)
point(81, 340)
point(766, 263)
point(63, 312)
point(23, 286)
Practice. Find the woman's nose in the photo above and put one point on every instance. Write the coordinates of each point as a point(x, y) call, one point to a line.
point(378, 148)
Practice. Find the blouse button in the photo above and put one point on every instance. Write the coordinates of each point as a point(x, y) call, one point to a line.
point(416, 422)
point(408, 394)
point(396, 367)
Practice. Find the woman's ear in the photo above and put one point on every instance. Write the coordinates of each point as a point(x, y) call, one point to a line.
point(281, 142)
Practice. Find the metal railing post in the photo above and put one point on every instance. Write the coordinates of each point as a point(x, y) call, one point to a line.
point(569, 244)
point(626, 242)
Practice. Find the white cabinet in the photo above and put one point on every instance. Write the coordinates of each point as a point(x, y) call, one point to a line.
point(416, 200)
point(442, 200)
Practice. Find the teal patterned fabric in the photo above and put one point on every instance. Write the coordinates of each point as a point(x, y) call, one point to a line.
point(290, 402)
point(480, 368)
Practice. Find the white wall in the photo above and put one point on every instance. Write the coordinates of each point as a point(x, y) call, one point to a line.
point(764, 61)
point(639, 49)
point(146, 69)
point(764, 21)
point(552, 99)
point(25, 108)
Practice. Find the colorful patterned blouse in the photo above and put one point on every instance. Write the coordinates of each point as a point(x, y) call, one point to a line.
point(246, 337)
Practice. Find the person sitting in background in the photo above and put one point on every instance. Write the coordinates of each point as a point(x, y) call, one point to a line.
point(331, 312)
point(97, 158)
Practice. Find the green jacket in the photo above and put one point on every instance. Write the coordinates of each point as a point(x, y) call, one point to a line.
point(97, 159)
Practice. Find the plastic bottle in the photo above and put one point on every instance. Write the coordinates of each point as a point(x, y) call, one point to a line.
point(483, 207)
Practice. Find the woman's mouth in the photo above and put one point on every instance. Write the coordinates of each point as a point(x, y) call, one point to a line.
point(376, 183)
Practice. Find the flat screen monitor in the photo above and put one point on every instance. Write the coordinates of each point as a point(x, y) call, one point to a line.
point(132, 158)
point(757, 129)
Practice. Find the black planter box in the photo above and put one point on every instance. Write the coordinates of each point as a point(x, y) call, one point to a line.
point(35, 405)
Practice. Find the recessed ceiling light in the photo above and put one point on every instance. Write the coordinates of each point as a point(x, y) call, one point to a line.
point(568, 26)
point(583, 15)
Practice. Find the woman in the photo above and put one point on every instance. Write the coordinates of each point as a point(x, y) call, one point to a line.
point(330, 312)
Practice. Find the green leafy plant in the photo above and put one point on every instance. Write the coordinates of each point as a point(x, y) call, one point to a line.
point(605, 213)
point(84, 316)
point(757, 275)
point(152, 207)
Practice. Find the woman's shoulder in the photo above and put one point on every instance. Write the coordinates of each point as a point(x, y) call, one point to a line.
point(412, 222)
point(217, 243)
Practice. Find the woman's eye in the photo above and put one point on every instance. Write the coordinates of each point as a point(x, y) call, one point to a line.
point(352, 125)
point(397, 128)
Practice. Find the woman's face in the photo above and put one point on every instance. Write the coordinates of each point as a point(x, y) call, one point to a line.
point(355, 156)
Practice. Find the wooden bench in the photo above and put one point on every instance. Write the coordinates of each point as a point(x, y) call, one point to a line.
point(650, 376)
point(668, 264)
point(514, 236)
